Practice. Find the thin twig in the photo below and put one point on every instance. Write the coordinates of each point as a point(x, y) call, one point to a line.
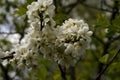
point(63, 73)
point(115, 11)
point(10, 56)
point(56, 7)
point(8, 33)
point(101, 68)
point(106, 4)
point(105, 51)
point(41, 21)
point(93, 7)
point(71, 6)
point(114, 39)
point(99, 39)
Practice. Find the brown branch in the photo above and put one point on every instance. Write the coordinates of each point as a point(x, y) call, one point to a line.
point(10, 56)
point(7, 57)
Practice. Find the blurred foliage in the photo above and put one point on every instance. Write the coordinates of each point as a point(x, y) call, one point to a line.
point(104, 45)
point(5, 45)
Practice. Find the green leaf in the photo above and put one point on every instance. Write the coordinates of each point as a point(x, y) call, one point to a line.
point(114, 27)
point(104, 59)
point(21, 11)
point(116, 24)
point(0, 1)
point(5, 44)
point(102, 21)
point(116, 0)
point(115, 67)
point(59, 18)
point(30, 1)
point(57, 76)
point(18, 27)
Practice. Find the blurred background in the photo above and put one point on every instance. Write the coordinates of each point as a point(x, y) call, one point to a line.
point(103, 17)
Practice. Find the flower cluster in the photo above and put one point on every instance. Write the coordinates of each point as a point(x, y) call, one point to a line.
point(64, 44)
point(40, 15)
point(74, 37)
point(40, 12)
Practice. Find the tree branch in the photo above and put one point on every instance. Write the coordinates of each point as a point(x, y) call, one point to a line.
point(8, 33)
point(105, 51)
point(71, 6)
point(72, 73)
point(63, 73)
point(114, 39)
point(5, 72)
point(41, 21)
point(94, 7)
point(100, 40)
point(115, 11)
point(105, 3)
point(10, 56)
point(105, 68)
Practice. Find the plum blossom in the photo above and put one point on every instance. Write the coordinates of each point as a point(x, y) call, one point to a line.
point(64, 44)
point(74, 36)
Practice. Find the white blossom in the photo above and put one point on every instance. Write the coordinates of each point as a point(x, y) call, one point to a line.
point(64, 44)
point(75, 36)
point(40, 10)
